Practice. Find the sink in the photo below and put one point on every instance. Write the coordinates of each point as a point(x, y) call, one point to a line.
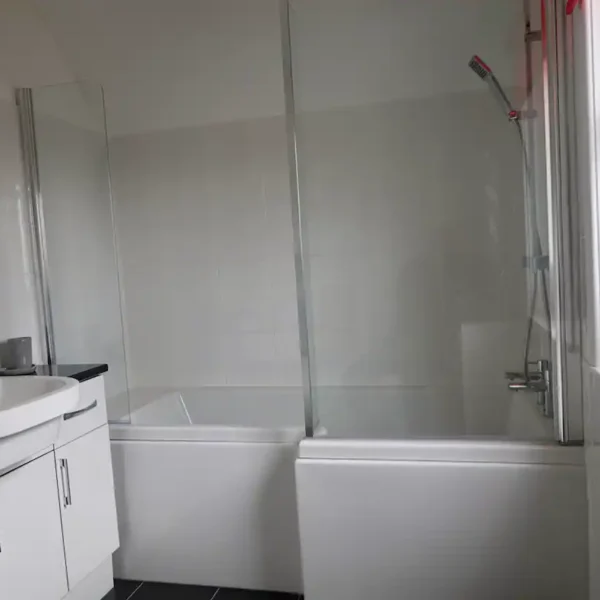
point(26, 402)
point(31, 410)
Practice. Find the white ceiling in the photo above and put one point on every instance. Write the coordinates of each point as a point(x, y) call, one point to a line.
point(29, 55)
point(176, 63)
point(173, 63)
point(349, 52)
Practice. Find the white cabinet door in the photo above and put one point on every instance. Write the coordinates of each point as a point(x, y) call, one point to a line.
point(32, 562)
point(87, 500)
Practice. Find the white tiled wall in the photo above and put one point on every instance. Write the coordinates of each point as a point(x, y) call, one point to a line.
point(414, 212)
point(411, 182)
point(205, 241)
point(410, 179)
point(415, 231)
point(414, 220)
point(79, 235)
point(18, 310)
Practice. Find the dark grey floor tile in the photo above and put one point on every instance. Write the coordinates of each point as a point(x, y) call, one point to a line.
point(124, 588)
point(170, 591)
point(229, 594)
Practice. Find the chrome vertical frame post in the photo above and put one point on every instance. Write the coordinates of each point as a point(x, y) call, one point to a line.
point(24, 101)
point(562, 199)
point(301, 266)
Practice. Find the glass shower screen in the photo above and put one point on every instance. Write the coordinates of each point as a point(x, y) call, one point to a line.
point(415, 214)
point(78, 236)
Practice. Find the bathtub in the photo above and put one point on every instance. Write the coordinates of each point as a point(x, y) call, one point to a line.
point(210, 484)
point(205, 487)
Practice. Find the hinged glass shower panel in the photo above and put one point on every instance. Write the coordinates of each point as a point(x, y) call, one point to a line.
point(434, 217)
point(65, 155)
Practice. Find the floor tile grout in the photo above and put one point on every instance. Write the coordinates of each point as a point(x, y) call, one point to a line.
point(134, 591)
point(213, 597)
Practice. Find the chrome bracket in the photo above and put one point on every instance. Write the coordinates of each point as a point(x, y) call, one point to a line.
point(514, 116)
point(533, 36)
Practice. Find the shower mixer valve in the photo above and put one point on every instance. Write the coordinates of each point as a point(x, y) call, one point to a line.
point(537, 381)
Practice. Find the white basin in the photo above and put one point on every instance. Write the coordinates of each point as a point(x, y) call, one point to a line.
point(26, 402)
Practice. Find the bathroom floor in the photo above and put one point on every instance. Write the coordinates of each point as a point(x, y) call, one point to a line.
point(140, 590)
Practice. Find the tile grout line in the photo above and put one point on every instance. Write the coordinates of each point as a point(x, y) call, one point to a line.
point(134, 591)
point(215, 594)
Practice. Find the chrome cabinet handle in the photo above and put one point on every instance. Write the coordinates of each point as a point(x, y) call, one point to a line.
point(66, 482)
point(77, 413)
point(61, 464)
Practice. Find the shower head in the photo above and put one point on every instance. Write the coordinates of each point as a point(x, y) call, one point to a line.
point(484, 72)
point(480, 67)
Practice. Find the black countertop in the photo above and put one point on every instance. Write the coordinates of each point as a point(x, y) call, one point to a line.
point(79, 372)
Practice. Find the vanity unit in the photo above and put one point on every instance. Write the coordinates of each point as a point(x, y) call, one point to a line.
point(58, 520)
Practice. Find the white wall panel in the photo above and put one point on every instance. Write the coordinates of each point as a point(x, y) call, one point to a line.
point(460, 531)
point(205, 236)
point(74, 183)
point(208, 513)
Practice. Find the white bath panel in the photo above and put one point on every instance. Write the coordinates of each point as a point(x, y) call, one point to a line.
point(208, 513)
point(426, 530)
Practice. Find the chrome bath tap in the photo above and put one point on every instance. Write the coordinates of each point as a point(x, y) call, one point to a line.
point(537, 381)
